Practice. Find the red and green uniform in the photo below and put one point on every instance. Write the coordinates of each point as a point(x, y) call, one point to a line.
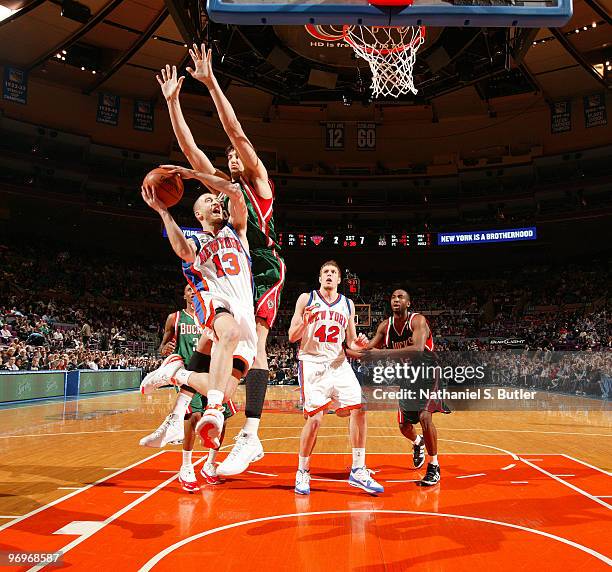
point(268, 267)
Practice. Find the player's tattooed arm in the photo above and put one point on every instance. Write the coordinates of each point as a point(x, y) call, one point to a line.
point(168, 344)
point(203, 72)
point(353, 341)
point(182, 247)
point(300, 318)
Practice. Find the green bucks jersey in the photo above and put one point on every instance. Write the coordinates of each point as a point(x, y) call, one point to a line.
point(186, 334)
point(260, 224)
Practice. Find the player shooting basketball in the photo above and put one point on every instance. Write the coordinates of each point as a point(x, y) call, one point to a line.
point(268, 267)
point(218, 269)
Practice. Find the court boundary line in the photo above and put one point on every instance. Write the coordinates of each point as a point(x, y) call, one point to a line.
point(74, 493)
point(570, 485)
point(162, 554)
point(108, 520)
point(607, 473)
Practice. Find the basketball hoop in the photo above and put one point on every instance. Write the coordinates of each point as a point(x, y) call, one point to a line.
point(391, 53)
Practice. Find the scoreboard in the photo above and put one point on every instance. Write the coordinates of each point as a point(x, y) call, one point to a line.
point(326, 240)
point(398, 240)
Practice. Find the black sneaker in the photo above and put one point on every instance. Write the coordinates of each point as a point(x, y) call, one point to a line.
point(418, 454)
point(432, 476)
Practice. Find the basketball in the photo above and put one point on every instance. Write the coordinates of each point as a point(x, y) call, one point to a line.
point(168, 186)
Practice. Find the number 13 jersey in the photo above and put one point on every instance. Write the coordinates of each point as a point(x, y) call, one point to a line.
point(325, 333)
point(223, 267)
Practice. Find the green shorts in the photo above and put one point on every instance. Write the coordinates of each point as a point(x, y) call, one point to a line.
point(269, 277)
point(199, 403)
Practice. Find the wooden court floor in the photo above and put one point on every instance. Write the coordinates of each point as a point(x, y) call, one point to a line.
point(519, 491)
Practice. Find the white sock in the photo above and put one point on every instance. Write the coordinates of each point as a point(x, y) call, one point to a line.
point(251, 425)
point(418, 440)
point(303, 463)
point(181, 405)
point(182, 376)
point(434, 460)
point(186, 457)
point(358, 458)
point(215, 397)
point(212, 453)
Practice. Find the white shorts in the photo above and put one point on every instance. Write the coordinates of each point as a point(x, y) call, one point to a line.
point(329, 383)
point(246, 350)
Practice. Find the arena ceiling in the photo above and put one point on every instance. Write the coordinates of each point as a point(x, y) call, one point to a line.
point(121, 44)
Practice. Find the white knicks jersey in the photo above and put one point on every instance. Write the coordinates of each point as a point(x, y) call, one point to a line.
point(326, 331)
point(223, 267)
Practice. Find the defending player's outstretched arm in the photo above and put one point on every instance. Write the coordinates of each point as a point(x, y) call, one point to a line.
point(255, 170)
point(171, 85)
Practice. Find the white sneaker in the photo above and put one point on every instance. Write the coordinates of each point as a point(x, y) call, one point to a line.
point(188, 479)
point(209, 472)
point(247, 450)
point(210, 426)
point(162, 375)
point(172, 429)
point(302, 482)
point(362, 479)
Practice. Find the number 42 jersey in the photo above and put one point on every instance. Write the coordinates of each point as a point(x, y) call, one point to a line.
point(325, 333)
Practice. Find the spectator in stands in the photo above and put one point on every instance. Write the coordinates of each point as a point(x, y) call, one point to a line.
point(86, 334)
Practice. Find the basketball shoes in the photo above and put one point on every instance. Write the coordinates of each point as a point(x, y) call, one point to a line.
point(209, 472)
point(432, 476)
point(210, 426)
point(188, 479)
point(247, 449)
point(169, 432)
point(418, 454)
point(163, 375)
point(302, 482)
point(362, 479)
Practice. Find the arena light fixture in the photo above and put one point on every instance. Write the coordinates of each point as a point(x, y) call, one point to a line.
point(6, 12)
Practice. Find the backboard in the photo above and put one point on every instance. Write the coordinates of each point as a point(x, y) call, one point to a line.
point(458, 13)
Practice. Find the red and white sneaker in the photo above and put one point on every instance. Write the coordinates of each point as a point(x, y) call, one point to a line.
point(209, 472)
point(210, 426)
point(163, 375)
point(188, 479)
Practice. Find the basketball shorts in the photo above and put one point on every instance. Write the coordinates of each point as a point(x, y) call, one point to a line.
point(199, 402)
point(269, 277)
point(328, 385)
point(246, 349)
point(409, 409)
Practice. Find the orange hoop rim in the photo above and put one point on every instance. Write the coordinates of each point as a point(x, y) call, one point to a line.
point(384, 51)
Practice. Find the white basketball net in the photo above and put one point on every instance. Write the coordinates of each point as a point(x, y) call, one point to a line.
point(391, 53)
